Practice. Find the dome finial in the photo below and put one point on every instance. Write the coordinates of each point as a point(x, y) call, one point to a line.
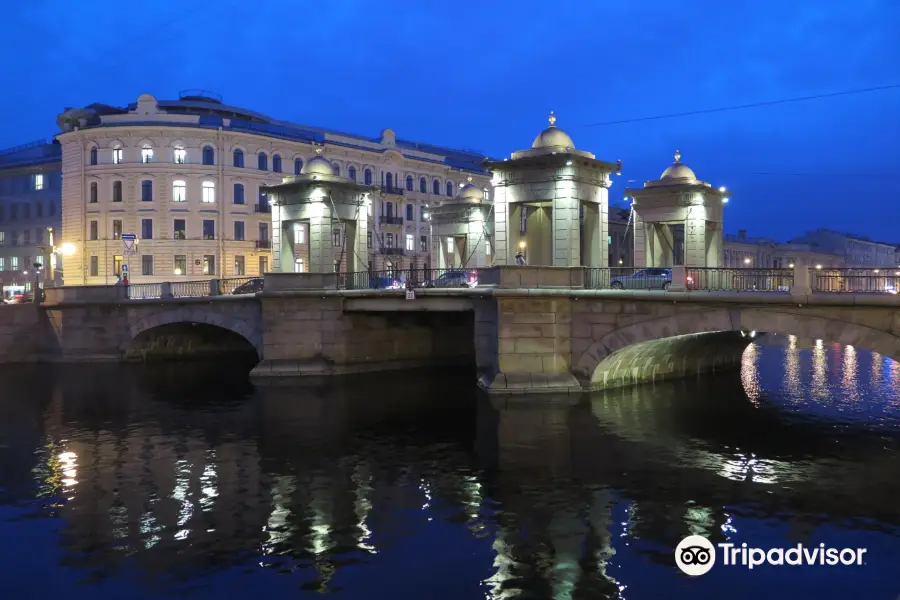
point(677, 155)
point(469, 179)
point(319, 150)
point(552, 119)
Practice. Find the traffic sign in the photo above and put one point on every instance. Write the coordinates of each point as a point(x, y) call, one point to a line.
point(129, 236)
point(129, 240)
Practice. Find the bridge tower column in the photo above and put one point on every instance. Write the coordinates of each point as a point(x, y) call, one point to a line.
point(678, 220)
point(551, 204)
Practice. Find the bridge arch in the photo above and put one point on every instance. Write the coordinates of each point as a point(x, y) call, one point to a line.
point(201, 315)
point(685, 329)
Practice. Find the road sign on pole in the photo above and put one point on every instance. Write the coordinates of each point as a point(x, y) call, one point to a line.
point(129, 240)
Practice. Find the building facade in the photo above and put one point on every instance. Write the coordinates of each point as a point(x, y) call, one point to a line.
point(186, 179)
point(30, 216)
point(822, 248)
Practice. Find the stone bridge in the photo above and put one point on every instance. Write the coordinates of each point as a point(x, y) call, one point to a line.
point(527, 329)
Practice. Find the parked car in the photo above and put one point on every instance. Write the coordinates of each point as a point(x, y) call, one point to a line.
point(251, 287)
point(455, 278)
point(643, 279)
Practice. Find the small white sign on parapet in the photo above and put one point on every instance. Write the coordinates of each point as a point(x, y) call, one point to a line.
point(410, 294)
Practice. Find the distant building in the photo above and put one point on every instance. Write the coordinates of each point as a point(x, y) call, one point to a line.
point(30, 196)
point(621, 237)
point(743, 251)
point(188, 179)
point(857, 251)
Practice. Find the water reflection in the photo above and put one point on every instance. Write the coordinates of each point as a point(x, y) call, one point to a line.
point(163, 484)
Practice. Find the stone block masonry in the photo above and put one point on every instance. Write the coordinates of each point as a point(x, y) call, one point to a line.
point(25, 334)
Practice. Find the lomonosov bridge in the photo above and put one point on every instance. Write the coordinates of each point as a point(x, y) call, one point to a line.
point(528, 329)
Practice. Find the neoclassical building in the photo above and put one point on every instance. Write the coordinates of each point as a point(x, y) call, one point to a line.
point(188, 178)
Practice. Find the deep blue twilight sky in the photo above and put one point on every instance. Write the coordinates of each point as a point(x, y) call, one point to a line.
point(483, 75)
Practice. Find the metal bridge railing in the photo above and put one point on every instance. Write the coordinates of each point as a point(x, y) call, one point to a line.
point(855, 281)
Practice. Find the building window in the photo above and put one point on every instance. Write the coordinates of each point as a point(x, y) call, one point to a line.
point(336, 169)
point(117, 156)
point(450, 245)
point(367, 176)
point(117, 229)
point(423, 186)
point(389, 240)
point(147, 229)
point(368, 239)
point(146, 155)
point(409, 212)
point(93, 156)
point(410, 242)
point(14, 263)
point(262, 161)
point(264, 232)
point(237, 159)
point(389, 181)
point(180, 156)
point(298, 264)
point(117, 265)
point(93, 197)
point(409, 183)
point(26, 237)
point(95, 266)
point(351, 173)
point(146, 264)
point(299, 234)
point(209, 229)
point(209, 264)
point(209, 155)
point(2, 264)
point(298, 166)
point(263, 264)
point(117, 191)
point(179, 191)
point(423, 243)
point(336, 237)
point(276, 163)
point(239, 267)
point(38, 181)
point(450, 189)
point(178, 229)
point(239, 231)
point(94, 231)
point(422, 213)
point(146, 191)
point(180, 264)
point(239, 193)
point(436, 187)
point(487, 195)
point(2, 238)
point(389, 208)
point(209, 192)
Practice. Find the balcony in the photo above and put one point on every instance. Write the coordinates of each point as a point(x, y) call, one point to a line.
point(390, 220)
point(262, 208)
point(391, 251)
point(263, 244)
point(392, 190)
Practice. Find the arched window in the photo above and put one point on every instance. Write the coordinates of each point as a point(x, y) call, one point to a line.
point(93, 199)
point(389, 181)
point(262, 161)
point(276, 163)
point(238, 160)
point(93, 156)
point(298, 165)
point(409, 183)
point(450, 188)
point(146, 154)
point(351, 173)
point(336, 169)
point(423, 186)
point(180, 155)
point(117, 191)
point(436, 187)
point(367, 176)
point(209, 155)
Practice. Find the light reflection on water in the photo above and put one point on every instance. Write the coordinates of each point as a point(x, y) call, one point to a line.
point(171, 483)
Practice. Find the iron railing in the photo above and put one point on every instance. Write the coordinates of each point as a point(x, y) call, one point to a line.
point(263, 244)
point(391, 251)
point(262, 208)
point(227, 286)
point(390, 220)
point(856, 281)
point(629, 278)
point(388, 189)
point(189, 289)
point(713, 279)
point(407, 278)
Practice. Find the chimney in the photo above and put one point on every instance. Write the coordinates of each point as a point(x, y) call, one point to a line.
point(742, 234)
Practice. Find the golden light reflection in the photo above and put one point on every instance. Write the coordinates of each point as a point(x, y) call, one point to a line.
point(68, 464)
point(750, 373)
point(819, 386)
point(181, 494)
point(276, 525)
point(792, 368)
point(850, 381)
point(362, 507)
point(749, 468)
point(876, 375)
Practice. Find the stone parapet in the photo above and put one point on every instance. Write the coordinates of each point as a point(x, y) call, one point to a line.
point(280, 282)
point(518, 277)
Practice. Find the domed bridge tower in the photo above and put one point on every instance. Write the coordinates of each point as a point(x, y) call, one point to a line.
point(461, 229)
point(319, 221)
point(677, 220)
point(551, 203)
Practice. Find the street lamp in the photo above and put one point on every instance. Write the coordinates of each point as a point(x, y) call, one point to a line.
point(522, 250)
point(746, 261)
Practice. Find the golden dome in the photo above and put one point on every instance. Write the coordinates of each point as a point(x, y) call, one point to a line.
point(553, 137)
point(318, 165)
point(678, 171)
point(470, 192)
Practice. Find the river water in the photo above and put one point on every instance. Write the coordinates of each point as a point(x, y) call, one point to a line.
point(185, 481)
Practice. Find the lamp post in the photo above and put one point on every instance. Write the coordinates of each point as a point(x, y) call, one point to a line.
point(38, 296)
point(523, 248)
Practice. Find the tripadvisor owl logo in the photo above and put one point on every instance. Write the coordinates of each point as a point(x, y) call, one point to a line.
point(695, 555)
